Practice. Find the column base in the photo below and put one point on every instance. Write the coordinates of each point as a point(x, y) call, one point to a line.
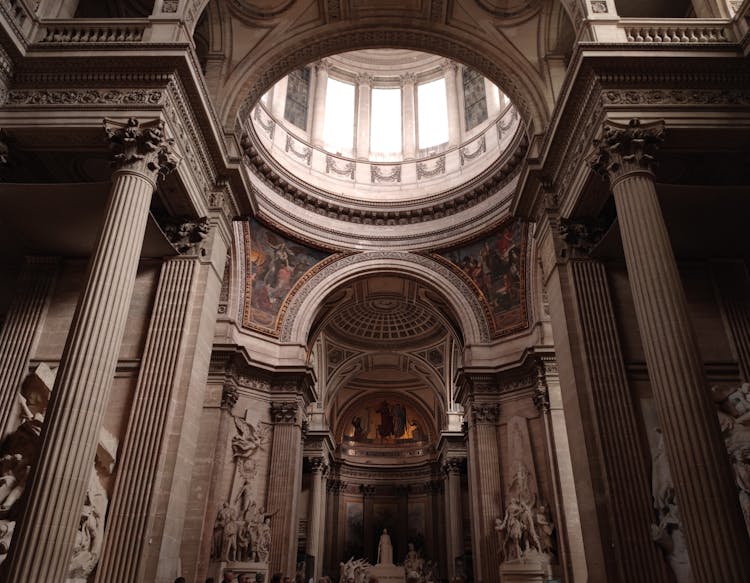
point(532, 568)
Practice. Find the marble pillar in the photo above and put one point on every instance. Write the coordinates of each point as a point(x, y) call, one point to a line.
point(454, 528)
point(408, 116)
point(364, 107)
point(319, 102)
point(717, 541)
point(316, 514)
point(43, 544)
point(284, 485)
point(452, 85)
point(21, 328)
point(486, 498)
point(156, 458)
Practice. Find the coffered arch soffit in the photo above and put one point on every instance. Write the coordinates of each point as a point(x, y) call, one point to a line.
point(465, 35)
point(420, 371)
point(305, 308)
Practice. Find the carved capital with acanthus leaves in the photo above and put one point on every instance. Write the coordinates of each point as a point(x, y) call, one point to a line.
point(141, 147)
point(580, 236)
point(285, 412)
point(626, 149)
point(484, 413)
point(229, 396)
point(454, 465)
point(186, 235)
point(318, 464)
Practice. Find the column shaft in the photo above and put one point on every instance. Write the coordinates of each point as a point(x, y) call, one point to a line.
point(452, 85)
point(484, 468)
point(319, 103)
point(364, 107)
point(704, 484)
point(408, 117)
point(42, 548)
point(21, 327)
point(454, 530)
point(142, 450)
point(316, 514)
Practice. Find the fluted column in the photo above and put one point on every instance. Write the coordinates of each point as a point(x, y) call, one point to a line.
point(450, 71)
point(484, 474)
point(319, 102)
point(160, 394)
point(316, 514)
point(42, 546)
point(454, 530)
point(704, 485)
point(364, 108)
point(408, 116)
point(284, 483)
point(21, 328)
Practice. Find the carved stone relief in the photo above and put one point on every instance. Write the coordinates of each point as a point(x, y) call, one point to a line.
point(18, 454)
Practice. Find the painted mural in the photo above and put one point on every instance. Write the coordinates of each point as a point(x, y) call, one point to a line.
point(386, 421)
point(274, 265)
point(495, 265)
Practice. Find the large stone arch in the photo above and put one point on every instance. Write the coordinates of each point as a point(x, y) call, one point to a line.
point(496, 58)
point(302, 310)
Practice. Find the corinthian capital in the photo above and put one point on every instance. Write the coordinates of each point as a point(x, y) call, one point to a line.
point(141, 147)
point(285, 412)
point(485, 413)
point(626, 148)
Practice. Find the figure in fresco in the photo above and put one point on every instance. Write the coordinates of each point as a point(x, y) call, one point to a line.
point(360, 433)
point(385, 429)
point(494, 264)
point(399, 420)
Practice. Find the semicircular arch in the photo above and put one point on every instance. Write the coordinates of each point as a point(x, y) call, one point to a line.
point(304, 307)
point(499, 60)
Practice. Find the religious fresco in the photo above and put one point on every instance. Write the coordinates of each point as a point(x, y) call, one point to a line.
point(273, 267)
point(385, 421)
point(496, 266)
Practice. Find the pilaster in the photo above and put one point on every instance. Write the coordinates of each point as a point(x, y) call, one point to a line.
point(21, 328)
point(364, 107)
point(319, 102)
point(284, 483)
point(452, 85)
point(453, 468)
point(408, 116)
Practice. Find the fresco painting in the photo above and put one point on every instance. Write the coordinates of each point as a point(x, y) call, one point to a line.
point(495, 265)
point(386, 421)
point(274, 265)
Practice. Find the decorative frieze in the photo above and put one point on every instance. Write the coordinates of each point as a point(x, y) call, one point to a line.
point(305, 154)
point(85, 97)
point(439, 168)
point(675, 97)
point(268, 124)
point(379, 174)
point(464, 154)
point(347, 169)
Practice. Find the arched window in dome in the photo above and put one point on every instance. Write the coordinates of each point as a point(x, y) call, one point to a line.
point(338, 125)
point(385, 124)
point(475, 98)
point(298, 97)
point(432, 114)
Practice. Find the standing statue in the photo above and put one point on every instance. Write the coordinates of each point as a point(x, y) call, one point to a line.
point(413, 563)
point(385, 549)
point(517, 531)
point(668, 532)
point(264, 540)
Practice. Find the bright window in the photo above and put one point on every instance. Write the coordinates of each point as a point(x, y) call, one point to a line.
point(385, 125)
point(432, 105)
point(338, 126)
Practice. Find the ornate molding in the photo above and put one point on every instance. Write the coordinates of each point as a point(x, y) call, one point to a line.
point(424, 172)
point(85, 97)
point(318, 464)
point(675, 97)
point(626, 149)
point(140, 147)
point(339, 263)
point(346, 170)
point(379, 175)
point(580, 236)
point(454, 465)
point(304, 155)
point(465, 155)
